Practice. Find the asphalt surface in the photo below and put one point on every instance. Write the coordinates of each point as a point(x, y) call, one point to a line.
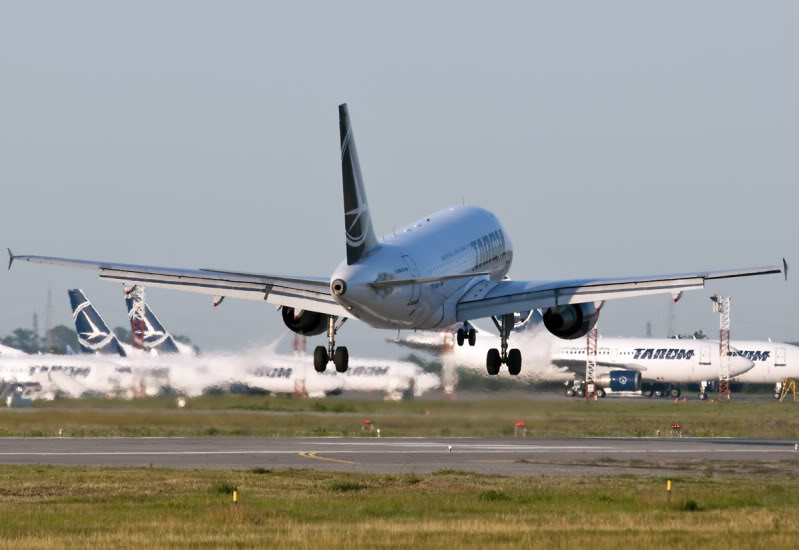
point(518, 456)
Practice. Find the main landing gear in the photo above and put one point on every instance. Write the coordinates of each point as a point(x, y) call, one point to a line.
point(466, 333)
point(340, 355)
point(497, 358)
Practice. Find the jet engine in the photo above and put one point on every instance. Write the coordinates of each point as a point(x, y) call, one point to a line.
point(621, 380)
point(571, 321)
point(307, 323)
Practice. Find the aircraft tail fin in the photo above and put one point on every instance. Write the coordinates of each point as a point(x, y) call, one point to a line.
point(361, 239)
point(147, 332)
point(94, 336)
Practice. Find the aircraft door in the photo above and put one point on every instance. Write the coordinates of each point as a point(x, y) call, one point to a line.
point(779, 360)
point(414, 271)
point(704, 355)
point(614, 355)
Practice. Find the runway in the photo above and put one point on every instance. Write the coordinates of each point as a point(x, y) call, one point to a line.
point(522, 456)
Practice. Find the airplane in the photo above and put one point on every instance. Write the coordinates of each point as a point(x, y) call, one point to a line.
point(448, 267)
point(653, 366)
point(94, 336)
point(774, 362)
point(147, 332)
point(6, 351)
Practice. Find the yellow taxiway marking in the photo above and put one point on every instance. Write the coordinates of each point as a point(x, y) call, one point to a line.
point(312, 454)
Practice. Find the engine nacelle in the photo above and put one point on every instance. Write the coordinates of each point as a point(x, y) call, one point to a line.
point(621, 380)
point(307, 323)
point(571, 321)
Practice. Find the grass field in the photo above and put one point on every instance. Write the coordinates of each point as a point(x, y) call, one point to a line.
point(53, 507)
point(494, 416)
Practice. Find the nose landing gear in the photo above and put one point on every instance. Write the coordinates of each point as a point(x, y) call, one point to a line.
point(340, 355)
point(495, 358)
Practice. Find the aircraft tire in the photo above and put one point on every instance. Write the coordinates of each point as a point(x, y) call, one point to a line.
point(341, 359)
point(570, 393)
point(461, 336)
point(472, 335)
point(674, 392)
point(320, 358)
point(581, 392)
point(777, 395)
point(600, 392)
point(514, 362)
point(493, 362)
point(702, 396)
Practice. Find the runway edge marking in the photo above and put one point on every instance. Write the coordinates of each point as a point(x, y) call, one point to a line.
point(312, 454)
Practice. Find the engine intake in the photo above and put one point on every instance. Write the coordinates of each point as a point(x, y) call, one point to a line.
point(621, 380)
point(307, 323)
point(571, 321)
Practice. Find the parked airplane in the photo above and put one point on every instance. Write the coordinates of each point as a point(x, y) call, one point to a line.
point(774, 363)
point(446, 268)
point(94, 336)
point(147, 332)
point(652, 366)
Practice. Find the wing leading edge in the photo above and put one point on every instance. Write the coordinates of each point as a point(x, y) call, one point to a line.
point(307, 293)
point(492, 298)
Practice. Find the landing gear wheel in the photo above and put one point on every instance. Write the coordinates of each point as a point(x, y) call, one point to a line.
point(777, 395)
point(472, 335)
point(647, 393)
point(702, 396)
point(600, 392)
point(320, 358)
point(581, 392)
point(461, 336)
point(570, 393)
point(514, 362)
point(658, 393)
point(341, 359)
point(674, 392)
point(493, 362)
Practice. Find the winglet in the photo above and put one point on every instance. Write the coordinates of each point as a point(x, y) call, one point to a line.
point(784, 268)
point(11, 258)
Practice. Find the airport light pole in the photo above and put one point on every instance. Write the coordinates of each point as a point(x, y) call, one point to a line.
point(592, 345)
point(721, 305)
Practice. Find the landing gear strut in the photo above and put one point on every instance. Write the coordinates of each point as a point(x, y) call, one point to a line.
point(495, 358)
point(340, 355)
point(466, 333)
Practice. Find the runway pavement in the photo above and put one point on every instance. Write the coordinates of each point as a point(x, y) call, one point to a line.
point(522, 456)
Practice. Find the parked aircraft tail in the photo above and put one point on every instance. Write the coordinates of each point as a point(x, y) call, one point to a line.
point(94, 336)
point(147, 332)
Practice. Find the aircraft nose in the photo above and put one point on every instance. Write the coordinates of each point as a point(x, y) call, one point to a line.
point(739, 365)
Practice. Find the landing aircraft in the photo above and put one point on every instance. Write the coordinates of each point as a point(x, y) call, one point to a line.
point(446, 268)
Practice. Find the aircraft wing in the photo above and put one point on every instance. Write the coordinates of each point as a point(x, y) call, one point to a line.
point(494, 298)
point(306, 293)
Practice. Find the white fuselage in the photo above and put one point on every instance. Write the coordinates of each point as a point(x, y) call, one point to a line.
point(142, 374)
point(550, 358)
point(773, 361)
point(454, 241)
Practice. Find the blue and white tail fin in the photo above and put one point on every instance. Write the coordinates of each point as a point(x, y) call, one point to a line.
point(361, 239)
point(147, 332)
point(94, 336)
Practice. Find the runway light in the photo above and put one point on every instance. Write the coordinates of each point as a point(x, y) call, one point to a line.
point(378, 432)
point(236, 496)
point(449, 448)
point(668, 489)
